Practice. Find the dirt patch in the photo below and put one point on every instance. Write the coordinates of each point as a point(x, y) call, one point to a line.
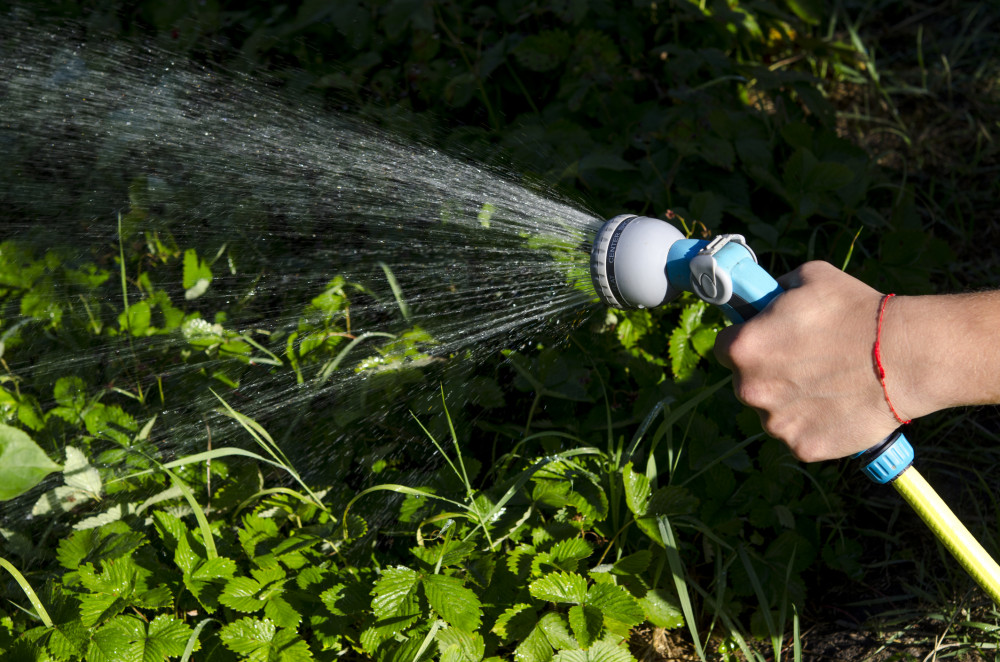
point(652, 644)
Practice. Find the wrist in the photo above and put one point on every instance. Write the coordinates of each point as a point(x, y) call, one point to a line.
point(926, 351)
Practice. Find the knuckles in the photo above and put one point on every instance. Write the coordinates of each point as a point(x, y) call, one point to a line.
point(738, 348)
point(806, 447)
point(754, 393)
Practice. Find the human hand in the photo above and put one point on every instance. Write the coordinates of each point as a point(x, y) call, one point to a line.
point(805, 363)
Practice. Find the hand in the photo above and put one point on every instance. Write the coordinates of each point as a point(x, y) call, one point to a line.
point(805, 363)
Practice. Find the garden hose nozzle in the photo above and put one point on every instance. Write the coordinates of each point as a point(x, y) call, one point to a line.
point(641, 262)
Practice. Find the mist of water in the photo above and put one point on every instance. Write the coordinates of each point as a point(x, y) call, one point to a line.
point(284, 196)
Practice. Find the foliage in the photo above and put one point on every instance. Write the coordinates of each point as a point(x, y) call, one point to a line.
point(594, 485)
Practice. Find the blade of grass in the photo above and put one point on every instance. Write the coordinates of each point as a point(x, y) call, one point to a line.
point(28, 591)
point(272, 490)
point(199, 514)
point(454, 440)
point(330, 366)
point(440, 450)
point(204, 456)
point(675, 414)
point(796, 635)
point(764, 604)
point(193, 639)
point(397, 291)
point(526, 475)
point(266, 442)
point(399, 489)
point(738, 447)
point(850, 250)
point(437, 518)
point(427, 640)
point(273, 360)
point(730, 625)
point(680, 582)
point(128, 323)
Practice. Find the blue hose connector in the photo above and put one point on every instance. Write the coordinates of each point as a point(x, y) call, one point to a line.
point(884, 462)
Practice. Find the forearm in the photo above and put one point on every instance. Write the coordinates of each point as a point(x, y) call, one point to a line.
point(942, 351)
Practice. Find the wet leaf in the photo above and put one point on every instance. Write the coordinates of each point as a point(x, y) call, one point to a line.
point(23, 464)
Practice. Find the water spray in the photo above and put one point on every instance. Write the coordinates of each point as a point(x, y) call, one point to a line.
point(641, 262)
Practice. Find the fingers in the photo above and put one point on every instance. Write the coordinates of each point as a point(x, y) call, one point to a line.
point(724, 344)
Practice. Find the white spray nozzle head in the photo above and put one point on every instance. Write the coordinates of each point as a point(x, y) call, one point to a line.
point(628, 263)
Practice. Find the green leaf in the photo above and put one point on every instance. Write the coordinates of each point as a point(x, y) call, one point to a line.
point(79, 475)
point(255, 531)
point(395, 592)
point(97, 607)
point(632, 326)
point(22, 463)
point(560, 587)
point(637, 490)
point(346, 599)
point(519, 559)
point(131, 641)
point(136, 318)
point(92, 545)
point(829, 176)
point(485, 214)
point(632, 564)
point(110, 590)
point(262, 592)
point(602, 651)
point(672, 500)
point(457, 645)
point(205, 578)
point(703, 340)
point(516, 622)
point(556, 630)
point(683, 355)
point(567, 554)
point(71, 392)
point(661, 609)
point(586, 622)
point(717, 151)
point(278, 609)
point(544, 51)
point(603, 160)
point(260, 641)
point(197, 275)
point(450, 553)
point(83, 483)
point(456, 604)
point(241, 594)
point(534, 648)
point(108, 644)
point(669, 500)
point(218, 568)
point(615, 603)
point(810, 11)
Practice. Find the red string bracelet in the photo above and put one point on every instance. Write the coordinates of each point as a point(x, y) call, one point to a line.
point(878, 357)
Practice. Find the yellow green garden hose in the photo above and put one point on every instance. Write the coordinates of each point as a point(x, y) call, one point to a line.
point(950, 531)
point(891, 461)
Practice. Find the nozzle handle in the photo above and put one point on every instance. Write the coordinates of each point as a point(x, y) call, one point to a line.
point(723, 272)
